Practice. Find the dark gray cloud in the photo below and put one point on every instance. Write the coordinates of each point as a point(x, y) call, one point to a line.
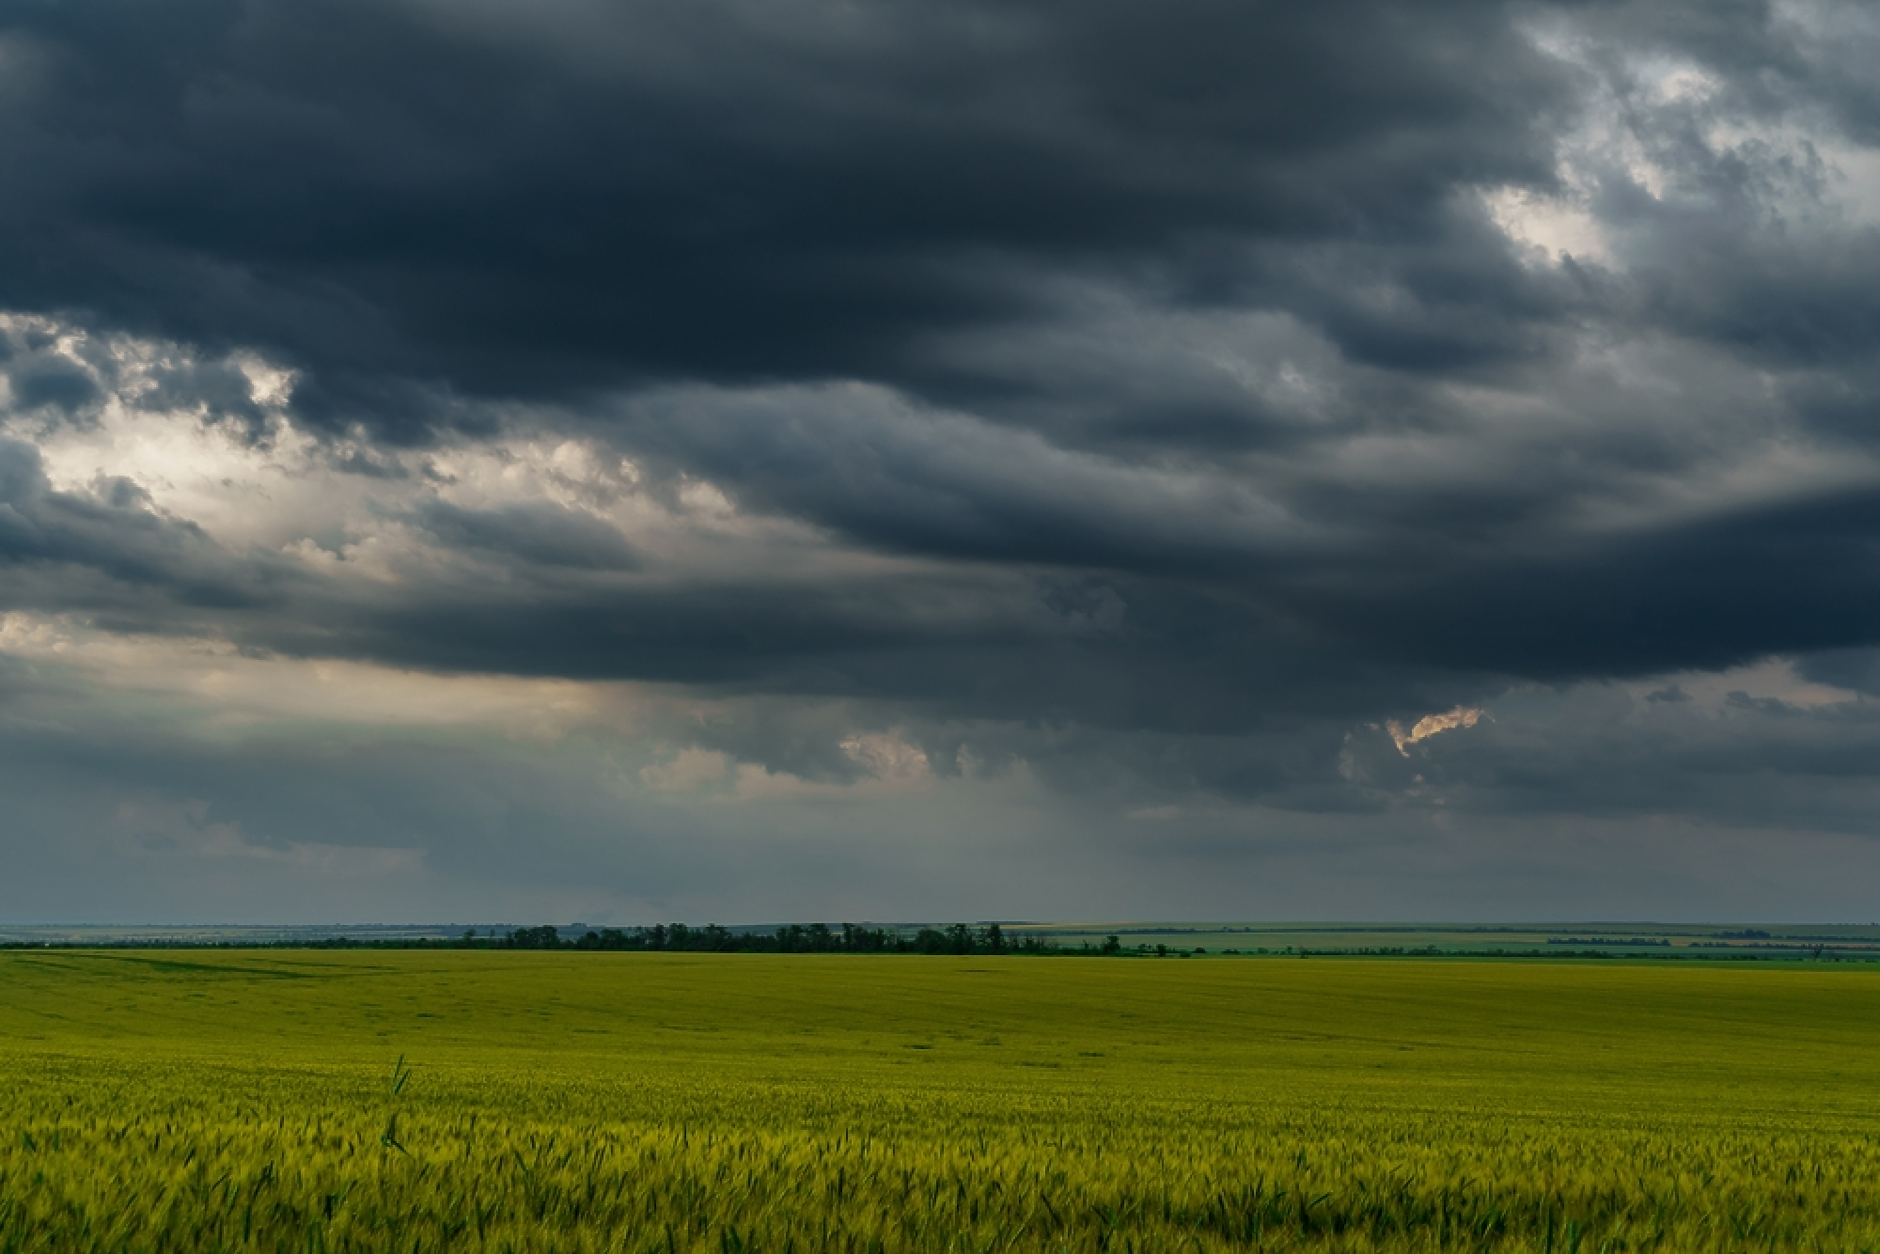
point(543, 536)
point(50, 381)
point(1152, 405)
point(411, 204)
point(534, 201)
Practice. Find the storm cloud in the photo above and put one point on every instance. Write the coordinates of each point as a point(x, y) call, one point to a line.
point(1100, 424)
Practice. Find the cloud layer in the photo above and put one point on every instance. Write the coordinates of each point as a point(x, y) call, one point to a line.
point(862, 455)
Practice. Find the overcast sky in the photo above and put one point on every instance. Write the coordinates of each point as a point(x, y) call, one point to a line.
point(627, 460)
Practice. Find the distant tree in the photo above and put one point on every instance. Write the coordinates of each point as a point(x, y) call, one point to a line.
point(1112, 945)
point(994, 939)
point(534, 938)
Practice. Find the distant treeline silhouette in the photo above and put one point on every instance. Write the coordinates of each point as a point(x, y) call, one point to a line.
point(796, 938)
point(1659, 941)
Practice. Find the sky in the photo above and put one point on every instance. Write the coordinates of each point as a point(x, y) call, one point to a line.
point(738, 460)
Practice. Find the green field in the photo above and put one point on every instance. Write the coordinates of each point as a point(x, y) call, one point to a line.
point(1844, 942)
point(202, 1100)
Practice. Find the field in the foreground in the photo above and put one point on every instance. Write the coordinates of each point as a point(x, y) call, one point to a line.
point(201, 1101)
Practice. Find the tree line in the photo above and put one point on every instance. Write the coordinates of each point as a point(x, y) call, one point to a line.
point(795, 938)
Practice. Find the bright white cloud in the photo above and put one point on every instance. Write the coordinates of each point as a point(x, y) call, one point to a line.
point(1555, 228)
point(1432, 725)
point(888, 757)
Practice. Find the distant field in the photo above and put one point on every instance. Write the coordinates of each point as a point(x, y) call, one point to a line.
point(203, 1100)
point(1848, 942)
point(1726, 942)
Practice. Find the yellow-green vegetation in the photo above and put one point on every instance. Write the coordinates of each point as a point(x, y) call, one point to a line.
point(203, 1101)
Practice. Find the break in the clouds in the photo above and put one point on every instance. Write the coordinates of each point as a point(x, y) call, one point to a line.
point(474, 459)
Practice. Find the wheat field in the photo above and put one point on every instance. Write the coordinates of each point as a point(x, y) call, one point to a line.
point(412, 1101)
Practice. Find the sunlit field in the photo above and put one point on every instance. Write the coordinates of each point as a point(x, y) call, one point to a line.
point(254, 1100)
